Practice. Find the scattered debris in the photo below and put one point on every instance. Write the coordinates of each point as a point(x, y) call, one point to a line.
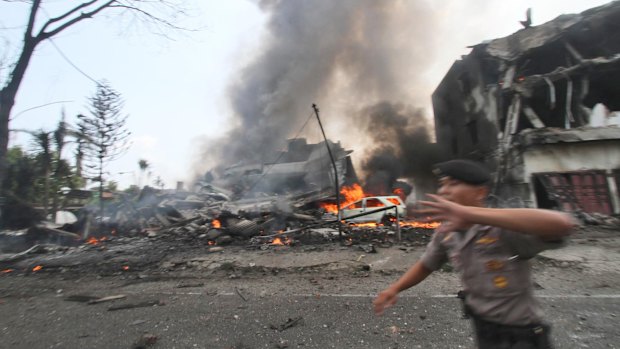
point(106, 299)
point(146, 340)
point(241, 295)
point(187, 285)
point(288, 324)
point(137, 305)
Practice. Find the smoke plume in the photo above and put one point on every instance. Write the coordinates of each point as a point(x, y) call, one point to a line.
point(361, 61)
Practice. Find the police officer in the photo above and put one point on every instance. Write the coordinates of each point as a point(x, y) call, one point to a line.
point(490, 247)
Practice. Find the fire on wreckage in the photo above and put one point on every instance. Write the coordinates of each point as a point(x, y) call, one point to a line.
point(195, 224)
point(212, 216)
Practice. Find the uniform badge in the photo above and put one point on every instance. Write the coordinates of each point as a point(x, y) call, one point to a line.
point(500, 281)
point(486, 240)
point(494, 265)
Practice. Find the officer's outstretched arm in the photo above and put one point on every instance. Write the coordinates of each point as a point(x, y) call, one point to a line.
point(388, 297)
point(549, 225)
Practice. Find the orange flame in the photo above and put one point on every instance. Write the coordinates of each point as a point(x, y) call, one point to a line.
point(37, 268)
point(281, 241)
point(412, 224)
point(350, 193)
point(92, 241)
point(366, 224)
point(216, 224)
point(6, 271)
point(401, 193)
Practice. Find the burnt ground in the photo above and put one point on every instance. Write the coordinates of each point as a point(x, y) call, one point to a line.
point(175, 291)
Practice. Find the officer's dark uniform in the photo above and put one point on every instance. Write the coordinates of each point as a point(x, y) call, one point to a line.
point(496, 276)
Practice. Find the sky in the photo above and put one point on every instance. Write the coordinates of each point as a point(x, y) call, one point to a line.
point(177, 90)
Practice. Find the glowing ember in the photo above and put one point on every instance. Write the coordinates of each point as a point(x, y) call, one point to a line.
point(92, 241)
point(412, 224)
point(367, 224)
point(125, 267)
point(216, 224)
point(349, 195)
point(6, 271)
point(37, 268)
point(401, 193)
point(281, 241)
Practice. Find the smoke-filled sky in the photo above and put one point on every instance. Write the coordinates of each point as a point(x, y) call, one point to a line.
point(246, 82)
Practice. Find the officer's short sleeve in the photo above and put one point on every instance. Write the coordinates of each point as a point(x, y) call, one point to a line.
point(435, 255)
point(528, 246)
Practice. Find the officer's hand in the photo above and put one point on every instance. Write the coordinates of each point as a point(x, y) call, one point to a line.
point(384, 300)
point(450, 214)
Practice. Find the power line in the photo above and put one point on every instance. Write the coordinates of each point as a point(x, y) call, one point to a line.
point(65, 56)
point(71, 63)
point(37, 107)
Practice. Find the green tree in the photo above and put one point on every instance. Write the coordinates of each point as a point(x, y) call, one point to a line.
point(43, 141)
point(105, 130)
point(21, 175)
point(38, 29)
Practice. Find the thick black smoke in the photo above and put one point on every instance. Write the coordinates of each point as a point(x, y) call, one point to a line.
point(346, 56)
point(402, 146)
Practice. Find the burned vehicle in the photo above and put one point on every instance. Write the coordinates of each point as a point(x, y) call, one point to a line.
point(380, 206)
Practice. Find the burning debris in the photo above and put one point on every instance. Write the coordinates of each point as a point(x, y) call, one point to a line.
point(207, 221)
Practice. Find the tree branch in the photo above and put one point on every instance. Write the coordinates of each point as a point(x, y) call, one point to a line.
point(43, 35)
point(148, 15)
point(67, 14)
point(31, 19)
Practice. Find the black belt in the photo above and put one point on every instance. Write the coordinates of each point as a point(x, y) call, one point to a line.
point(536, 334)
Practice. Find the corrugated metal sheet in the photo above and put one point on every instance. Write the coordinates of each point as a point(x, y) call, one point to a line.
point(586, 191)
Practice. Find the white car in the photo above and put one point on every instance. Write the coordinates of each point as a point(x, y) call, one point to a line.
point(372, 203)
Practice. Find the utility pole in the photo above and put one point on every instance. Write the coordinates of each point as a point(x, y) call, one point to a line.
point(331, 156)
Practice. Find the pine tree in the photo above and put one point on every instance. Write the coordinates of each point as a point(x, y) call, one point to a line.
point(106, 132)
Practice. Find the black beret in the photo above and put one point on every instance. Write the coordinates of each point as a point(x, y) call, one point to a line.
point(464, 170)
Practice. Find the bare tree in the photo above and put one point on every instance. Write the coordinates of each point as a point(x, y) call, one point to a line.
point(106, 132)
point(38, 30)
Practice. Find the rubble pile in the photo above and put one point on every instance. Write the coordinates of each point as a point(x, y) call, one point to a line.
point(138, 234)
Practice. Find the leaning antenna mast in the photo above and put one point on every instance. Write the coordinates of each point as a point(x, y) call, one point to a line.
point(331, 157)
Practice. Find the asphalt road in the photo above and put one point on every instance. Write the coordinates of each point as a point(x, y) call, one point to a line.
point(283, 297)
point(231, 313)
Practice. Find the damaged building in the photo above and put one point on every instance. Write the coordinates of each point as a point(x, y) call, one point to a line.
point(301, 167)
point(542, 108)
